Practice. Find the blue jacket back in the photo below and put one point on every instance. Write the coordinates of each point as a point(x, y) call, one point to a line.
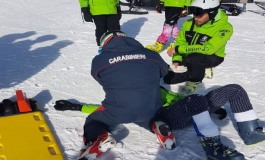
point(130, 76)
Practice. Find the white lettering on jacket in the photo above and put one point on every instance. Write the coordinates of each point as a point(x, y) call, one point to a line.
point(126, 58)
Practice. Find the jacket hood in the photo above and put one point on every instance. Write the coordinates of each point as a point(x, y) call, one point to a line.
point(122, 44)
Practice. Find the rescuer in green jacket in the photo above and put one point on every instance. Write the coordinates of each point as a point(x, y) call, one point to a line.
point(200, 44)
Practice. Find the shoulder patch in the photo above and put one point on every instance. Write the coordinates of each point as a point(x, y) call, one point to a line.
point(223, 32)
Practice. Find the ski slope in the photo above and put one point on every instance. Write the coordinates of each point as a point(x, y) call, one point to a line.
point(46, 50)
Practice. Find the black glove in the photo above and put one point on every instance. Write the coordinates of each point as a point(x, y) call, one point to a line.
point(221, 113)
point(86, 14)
point(170, 78)
point(159, 7)
point(66, 105)
point(119, 12)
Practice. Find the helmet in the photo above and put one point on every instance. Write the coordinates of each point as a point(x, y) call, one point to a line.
point(205, 4)
point(107, 36)
point(199, 7)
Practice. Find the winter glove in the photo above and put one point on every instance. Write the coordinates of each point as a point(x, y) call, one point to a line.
point(159, 7)
point(63, 105)
point(119, 12)
point(8, 107)
point(170, 78)
point(86, 14)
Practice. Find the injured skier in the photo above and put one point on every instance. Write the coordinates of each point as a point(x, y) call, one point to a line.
point(179, 111)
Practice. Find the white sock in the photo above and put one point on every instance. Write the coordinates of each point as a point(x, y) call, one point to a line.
point(205, 126)
point(246, 116)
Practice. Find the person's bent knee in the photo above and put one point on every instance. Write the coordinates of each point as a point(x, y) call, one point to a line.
point(196, 104)
point(92, 129)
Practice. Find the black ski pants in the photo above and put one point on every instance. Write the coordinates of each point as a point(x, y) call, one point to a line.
point(196, 65)
point(180, 113)
point(106, 23)
point(172, 15)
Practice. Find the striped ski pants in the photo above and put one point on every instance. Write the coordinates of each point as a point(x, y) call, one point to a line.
point(180, 113)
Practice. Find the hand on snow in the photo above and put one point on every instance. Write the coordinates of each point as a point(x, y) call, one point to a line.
point(66, 105)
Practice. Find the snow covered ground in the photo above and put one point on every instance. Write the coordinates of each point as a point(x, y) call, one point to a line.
point(46, 50)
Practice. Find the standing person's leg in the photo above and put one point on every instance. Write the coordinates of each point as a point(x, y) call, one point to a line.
point(174, 20)
point(113, 22)
point(170, 14)
point(101, 27)
point(247, 120)
point(175, 31)
point(166, 31)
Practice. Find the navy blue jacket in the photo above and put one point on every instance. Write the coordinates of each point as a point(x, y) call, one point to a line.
point(130, 76)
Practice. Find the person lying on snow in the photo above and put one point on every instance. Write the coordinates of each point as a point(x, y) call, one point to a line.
point(179, 111)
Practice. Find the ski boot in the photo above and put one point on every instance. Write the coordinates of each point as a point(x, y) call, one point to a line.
point(208, 73)
point(189, 88)
point(157, 47)
point(164, 135)
point(214, 149)
point(102, 144)
point(8, 107)
point(251, 132)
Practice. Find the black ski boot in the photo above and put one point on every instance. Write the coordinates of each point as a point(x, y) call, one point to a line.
point(215, 150)
point(2, 109)
point(251, 132)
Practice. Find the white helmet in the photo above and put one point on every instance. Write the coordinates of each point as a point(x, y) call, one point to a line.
point(198, 7)
point(205, 4)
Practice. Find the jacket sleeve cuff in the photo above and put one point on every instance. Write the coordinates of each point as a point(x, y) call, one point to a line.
point(177, 49)
point(176, 61)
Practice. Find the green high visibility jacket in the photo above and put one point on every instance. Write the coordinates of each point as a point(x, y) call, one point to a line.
point(208, 39)
point(167, 98)
point(176, 3)
point(100, 7)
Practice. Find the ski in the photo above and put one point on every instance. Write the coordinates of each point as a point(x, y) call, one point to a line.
point(261, 5)
point(134, 12)
point(262, 13)
point(125, 3)
point(231, 8)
